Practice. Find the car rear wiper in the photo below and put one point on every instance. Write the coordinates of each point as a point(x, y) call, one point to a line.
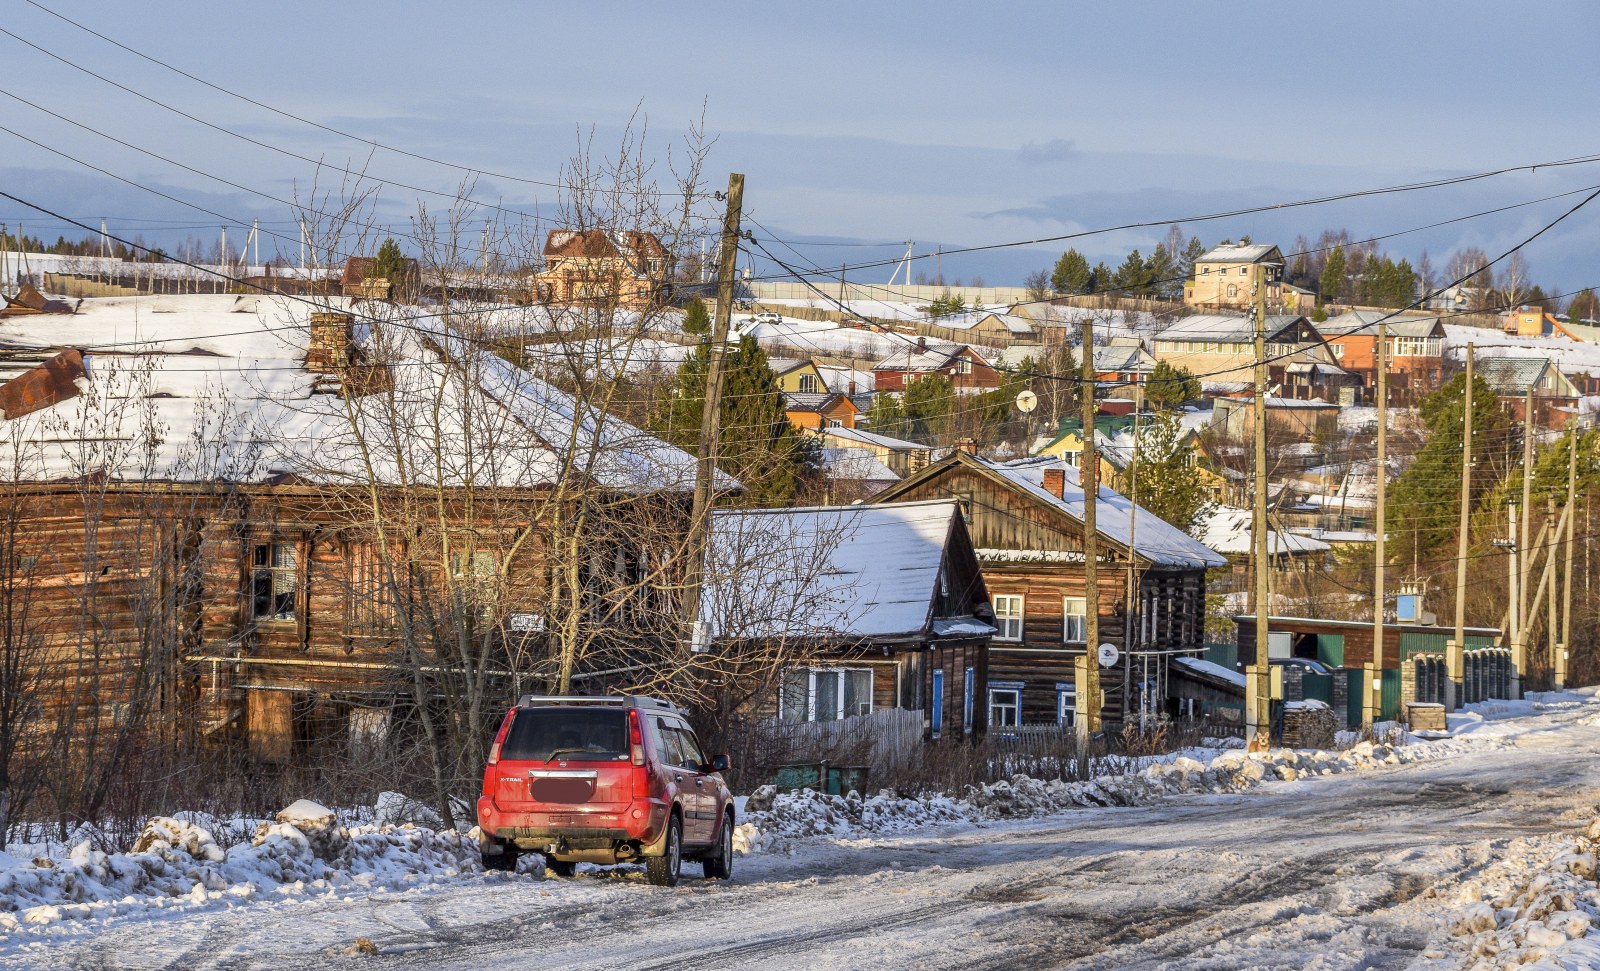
point(565, 751)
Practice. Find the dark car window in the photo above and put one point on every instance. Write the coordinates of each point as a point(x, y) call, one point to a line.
point(540, 734)
point(688, 748)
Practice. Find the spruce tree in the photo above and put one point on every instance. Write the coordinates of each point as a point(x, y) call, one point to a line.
point(1332, 281)
point(1170, 387)
point(757, 444)
point(1071, 274)
point(696, 320)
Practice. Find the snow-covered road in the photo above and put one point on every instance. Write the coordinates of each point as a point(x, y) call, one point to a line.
point(1351, 871)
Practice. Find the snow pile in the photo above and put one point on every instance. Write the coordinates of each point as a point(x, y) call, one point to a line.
point(175, 862)
point(1542, 918)
point(772, 818)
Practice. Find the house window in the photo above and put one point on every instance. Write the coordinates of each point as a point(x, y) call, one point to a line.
point(835, 423)
point(274, 581)
point(1066, 704)
point(1205, 271)
point(1005, 704)
point(1008, 617)
point(1233, 289)
point(808, 384)
point(964, 366)
point(1074, 628)
point(1338, 350)
point(824, 694)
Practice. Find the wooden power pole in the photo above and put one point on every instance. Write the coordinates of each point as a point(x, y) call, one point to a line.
point(1086, 669)
point(1372, 708)
point(1456, 645)
point(1560, 659)
point(1258, 676)
point(711, 421)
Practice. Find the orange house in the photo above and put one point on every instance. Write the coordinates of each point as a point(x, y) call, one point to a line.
point(821, 410)
point(1415, 352)
point(1534, 322)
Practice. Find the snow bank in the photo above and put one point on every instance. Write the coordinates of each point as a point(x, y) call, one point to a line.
point(1543, 914)
point(175, 862)
point(772, 818)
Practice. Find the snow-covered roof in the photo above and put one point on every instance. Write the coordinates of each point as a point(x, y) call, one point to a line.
point(856, 464)
point(1227, 530)
point(864, 437)
point(925, 356)
point(1013, 323)
point(1511, 375)
point(1225, 328)
point(1236, 253)
point(828, 572)
point(1148, 535)
point(1210, 669)
point(215, 387)
point(1366, 322)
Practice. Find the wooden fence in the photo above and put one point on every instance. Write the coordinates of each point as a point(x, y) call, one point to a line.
point(883, 740)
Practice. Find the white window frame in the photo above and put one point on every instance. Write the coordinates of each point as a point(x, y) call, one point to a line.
point(997, 688)
point(811, 691)
point(1066, 704)
point(808, 384)
point(1003, 620)
point(1067, 617)
point(835, 423)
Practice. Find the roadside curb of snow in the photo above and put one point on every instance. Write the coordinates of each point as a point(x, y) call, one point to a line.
point(176, 863)
point(773, 819)
point(1533, 915)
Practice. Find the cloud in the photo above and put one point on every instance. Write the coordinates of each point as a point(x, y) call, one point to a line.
point(1044, 153)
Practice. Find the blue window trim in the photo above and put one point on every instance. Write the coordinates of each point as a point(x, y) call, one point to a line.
point(937, 717)
point(1064, 688)
point(966, 706)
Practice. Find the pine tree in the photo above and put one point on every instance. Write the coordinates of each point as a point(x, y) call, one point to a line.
point(1161, 273)
point(1191, 252)
point(757, 445)
point(1101, 279)
point(1071, 274)
point(1331, 283)
point(1131, 276)
point(1170, 387)
point(1425, 500)
point(390, 263)
point(696, 320)
point(1170, 483)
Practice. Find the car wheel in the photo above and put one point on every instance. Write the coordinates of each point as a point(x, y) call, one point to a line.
point(503, 859)
point(720, 866)
point(663, 870)
point(562, 868)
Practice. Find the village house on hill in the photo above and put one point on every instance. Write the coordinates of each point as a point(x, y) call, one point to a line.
point(1027, 525)
point(1415, 352)
point(1220, 349)
point(969, 371)
point(602, 268)
point(1225, 277)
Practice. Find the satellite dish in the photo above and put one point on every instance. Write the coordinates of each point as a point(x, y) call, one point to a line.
point(1027, 401)
point(1108, 655)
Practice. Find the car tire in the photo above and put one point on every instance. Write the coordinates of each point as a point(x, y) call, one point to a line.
point(562, 868)
point(663, 870)
point(504, 861)
point(719, 865)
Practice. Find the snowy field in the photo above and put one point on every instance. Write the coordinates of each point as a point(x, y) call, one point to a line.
point(1469, 851)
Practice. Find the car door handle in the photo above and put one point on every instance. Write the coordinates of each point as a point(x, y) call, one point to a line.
point(699, 783)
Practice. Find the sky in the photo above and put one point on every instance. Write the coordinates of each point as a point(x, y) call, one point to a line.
point(948, 124)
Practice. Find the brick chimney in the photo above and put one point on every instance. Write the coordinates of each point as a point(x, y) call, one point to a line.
point(1055, 481)
point(922, 346)
point(331, 337)
point(852, 391)
point(968, 445)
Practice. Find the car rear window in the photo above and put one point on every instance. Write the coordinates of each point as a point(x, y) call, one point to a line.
point(543, 734)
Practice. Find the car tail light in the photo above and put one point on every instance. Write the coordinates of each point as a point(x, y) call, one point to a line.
point(494, 754)
point(641, 771)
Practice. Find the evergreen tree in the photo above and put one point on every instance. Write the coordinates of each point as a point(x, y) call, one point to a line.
point(886, 417)
point(757, 444)
point(1331, 283)
point(390, 263)
point(1170, 483)
point(1101, 279)
point(928, 403)
point(1161, 273)
point(1583, 308)
point(696, 321)
point(1131, 276)
point(1071, 274)
point(946, 305)
point(1170, 387)
point(1191, 252)
point(1424, 502)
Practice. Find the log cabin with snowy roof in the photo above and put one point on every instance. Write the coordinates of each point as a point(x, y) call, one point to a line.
point(1026, 522)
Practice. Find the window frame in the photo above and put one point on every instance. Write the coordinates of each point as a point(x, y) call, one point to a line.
point(1003, 619)
point(810, 714)
point(1066, 704)
point(1082, 617)
point(808, 384)
point(273, 570)
point(996, 688)
point(969, 693)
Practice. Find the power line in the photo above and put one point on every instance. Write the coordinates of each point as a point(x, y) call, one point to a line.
point(470, 170)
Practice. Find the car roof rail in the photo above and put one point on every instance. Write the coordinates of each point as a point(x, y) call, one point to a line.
point(599, 701)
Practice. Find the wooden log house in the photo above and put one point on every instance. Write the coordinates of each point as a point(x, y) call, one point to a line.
point(864, 607)
point(1026, 523)
point(190, 517)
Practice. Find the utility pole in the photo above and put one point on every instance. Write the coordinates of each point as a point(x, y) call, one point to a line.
point(1258, 676)
point(1086, 669)
point(1560, 659)
point(711, 421)
point(1523, 610)
point(1372, 710)
point(1454, 647)
point(1514, 604)
point(1551, 631)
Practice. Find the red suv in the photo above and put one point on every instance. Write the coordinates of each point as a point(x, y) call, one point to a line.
point(604, 780)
